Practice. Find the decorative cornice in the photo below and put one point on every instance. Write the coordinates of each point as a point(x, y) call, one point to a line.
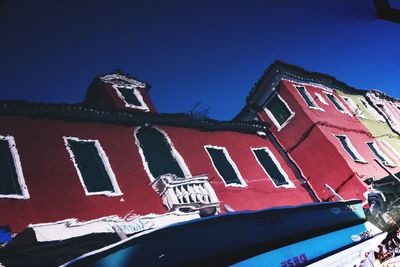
point(280, 70)
point(119, 79)
point(81, 113)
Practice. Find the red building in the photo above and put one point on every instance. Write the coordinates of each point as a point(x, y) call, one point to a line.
point(114, 155)
point(317, 129)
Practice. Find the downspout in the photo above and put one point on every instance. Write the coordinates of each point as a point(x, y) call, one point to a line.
point(303, 181)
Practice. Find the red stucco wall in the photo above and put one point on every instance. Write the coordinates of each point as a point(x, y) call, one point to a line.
point(56, 192)
point(310, 139)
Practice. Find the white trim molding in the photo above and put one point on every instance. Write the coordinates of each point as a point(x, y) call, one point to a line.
point(321, 99)
point(136, 92)
point(344, 111)
point(277, 164)
point(178, 157)
point(105, 161)
point(386, 160)
point(18, 169)
point(272, 117)
point(359, 159)
point(356, 110)
point(309, 97)
point(371, 110)
point(231, 162)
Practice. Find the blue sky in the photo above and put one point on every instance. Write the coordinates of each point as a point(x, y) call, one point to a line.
point(190, 51)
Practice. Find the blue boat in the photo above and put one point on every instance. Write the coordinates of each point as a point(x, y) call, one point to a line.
point(236, 237)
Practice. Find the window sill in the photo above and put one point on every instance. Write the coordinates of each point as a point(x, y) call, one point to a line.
point(317, 108)
point(280, 127)
point(15, 196)
point(361, 161)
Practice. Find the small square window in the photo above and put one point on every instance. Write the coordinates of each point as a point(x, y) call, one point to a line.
point(12, 182)
point(131, 97)
point(92, 166)
point(278, 111)
point(225, 166)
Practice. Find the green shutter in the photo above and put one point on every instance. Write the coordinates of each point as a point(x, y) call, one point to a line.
point(270, 167)
point(343, 140)
point(223, 166)
point(9, 184)
point(91, 166)
point(158, 153)
point(305, 96)
point(335, 102)
point(279, 110)
point(373, 149)
point(129, 96)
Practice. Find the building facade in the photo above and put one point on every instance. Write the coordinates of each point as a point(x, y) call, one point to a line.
point(320, 130)
point(114, 155)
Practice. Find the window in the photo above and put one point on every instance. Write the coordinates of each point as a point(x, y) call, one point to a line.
point(354, 107)
point(336, 102)
point(379, 154)
point(225, 166)
point(158, 154)
point(347, 145)
point(12, 182)
point(278, 111)
point(307, 97)
point(371, 110)
point(92, 166)
point(131, 97)
point(272, 167)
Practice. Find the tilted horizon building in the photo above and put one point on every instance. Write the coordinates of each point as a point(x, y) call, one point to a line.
point(302, 137)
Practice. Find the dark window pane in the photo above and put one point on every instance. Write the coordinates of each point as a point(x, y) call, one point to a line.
point(223, 166)
point(91, 166)
point(279, 110)
point(270, 167)
point(9, 184)
point(306, 97)
point(157, 152)
point(343, 141)
point(129, 96)
point(379, 156)
point(335, 102)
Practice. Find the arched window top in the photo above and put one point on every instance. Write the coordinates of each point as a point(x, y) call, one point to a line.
point(158, 153)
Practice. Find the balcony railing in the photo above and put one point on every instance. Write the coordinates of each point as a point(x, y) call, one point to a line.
point(186, 194)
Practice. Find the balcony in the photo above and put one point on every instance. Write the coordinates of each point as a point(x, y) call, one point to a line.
point(187, 194)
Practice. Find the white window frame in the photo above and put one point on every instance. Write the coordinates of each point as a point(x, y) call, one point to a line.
point(105, 161)
point(309, 96)
point(344, 111)
point(356, 110)
point(352, 148)
point(178, 157)
point(277, 164)
point(387, 161)
point(233, 164)
point(371, 110)
point(136, 92)
point(18, 169)
point(272, 117)
point(321, 99)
